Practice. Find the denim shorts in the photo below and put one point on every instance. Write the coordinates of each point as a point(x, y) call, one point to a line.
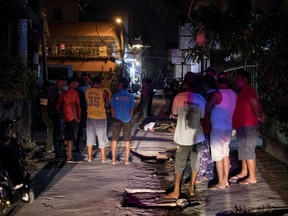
point(96, 128)
point(116, 129)
point(182, 154)
point(247, 139)
point(219, 143)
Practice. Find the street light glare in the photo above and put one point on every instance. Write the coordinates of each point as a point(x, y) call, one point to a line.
point(137, 46)
point(118, 20)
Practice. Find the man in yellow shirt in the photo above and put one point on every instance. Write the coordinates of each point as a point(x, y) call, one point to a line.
point(97, 99)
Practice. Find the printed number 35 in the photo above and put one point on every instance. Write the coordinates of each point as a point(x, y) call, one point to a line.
point(93, 101)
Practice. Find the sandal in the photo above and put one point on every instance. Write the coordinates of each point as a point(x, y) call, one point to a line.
point(246, 182)
point(215, 187)
point(236, 177)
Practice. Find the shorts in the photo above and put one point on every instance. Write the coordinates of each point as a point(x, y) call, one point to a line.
point(182, 154)
point(247, 139)
point(219, 143)
point(96, 128)
point(116, 128)
point(71, 130)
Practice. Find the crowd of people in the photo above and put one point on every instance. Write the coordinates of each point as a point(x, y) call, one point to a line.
point(79, 116)
point(207, 109)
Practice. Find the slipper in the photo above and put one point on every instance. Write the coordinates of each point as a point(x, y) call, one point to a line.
point(214, 187)
point(236, 178)
point(245, 182)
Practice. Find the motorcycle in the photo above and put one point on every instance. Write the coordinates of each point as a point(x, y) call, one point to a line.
point(15, 179)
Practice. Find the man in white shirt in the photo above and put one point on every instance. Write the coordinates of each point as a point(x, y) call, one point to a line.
point(188, 107)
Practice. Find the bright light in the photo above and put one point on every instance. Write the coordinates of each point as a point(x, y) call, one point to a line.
point(130, 60)
point(118, 20)
point(137, 46)
point(132, 71)
point(137, 63)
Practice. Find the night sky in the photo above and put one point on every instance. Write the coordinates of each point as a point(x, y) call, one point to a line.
point(145, 17)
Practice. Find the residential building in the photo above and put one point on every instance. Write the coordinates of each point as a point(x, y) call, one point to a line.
point(86, 46)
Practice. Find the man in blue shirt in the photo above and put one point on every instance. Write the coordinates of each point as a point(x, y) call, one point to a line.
point(122, 109)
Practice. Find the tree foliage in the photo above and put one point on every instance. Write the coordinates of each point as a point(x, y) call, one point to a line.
point(15, 78)
point(251, 30)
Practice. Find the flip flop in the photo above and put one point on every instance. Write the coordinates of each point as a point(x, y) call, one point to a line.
point(245, 182)
point(214, 187)
point(236, 178)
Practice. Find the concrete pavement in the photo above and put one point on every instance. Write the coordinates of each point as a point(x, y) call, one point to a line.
point(98, 189)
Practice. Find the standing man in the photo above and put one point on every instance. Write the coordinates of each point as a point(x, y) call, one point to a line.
point(210, 71)
point(97, 100)
point(188, 107)
point(246, 119)
point(146, 94)
point(208, 86)
point(222, 105)
point(122, 109)
point(68, 105)
point(57, 122)
point(83, 85)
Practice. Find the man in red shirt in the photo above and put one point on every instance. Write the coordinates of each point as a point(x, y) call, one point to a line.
point(68, 105)
point(247, 116)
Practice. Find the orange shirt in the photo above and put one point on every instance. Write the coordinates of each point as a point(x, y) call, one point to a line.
point(69, 103)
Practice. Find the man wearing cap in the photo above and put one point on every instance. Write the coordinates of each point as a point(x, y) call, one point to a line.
point(222, 105)
point(122, 109)
point(68, 105)
point(97, 100)
point(57, 122)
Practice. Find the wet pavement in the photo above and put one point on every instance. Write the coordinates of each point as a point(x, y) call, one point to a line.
point(103, 189)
